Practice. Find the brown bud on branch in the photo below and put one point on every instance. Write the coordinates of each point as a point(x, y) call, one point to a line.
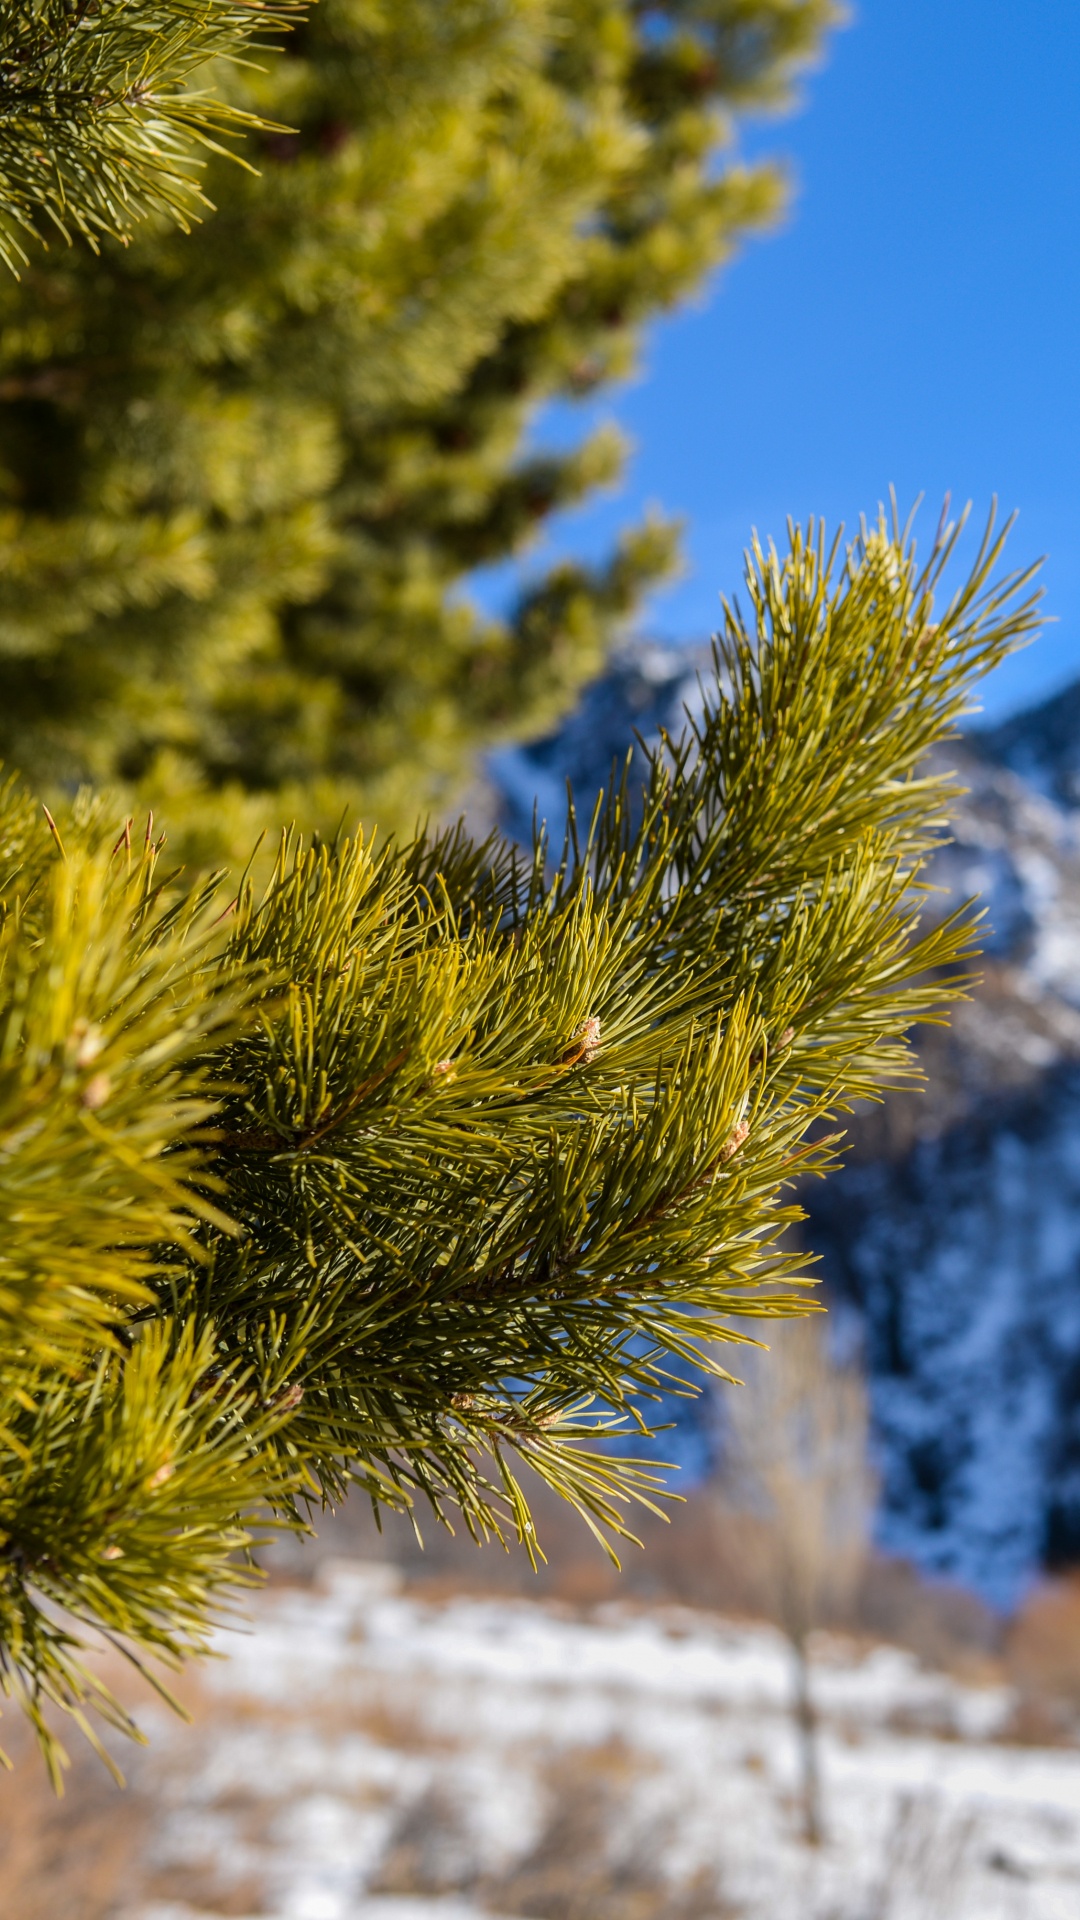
point(733, 1142)
point(585, 1045)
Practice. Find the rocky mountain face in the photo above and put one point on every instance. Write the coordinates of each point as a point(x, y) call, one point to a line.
point(954, 1229)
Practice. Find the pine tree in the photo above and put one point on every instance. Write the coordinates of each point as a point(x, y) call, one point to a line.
point(100, 123)
point(244, 472)
point(427, 1164)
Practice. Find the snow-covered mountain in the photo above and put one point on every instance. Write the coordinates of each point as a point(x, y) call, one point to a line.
point(955, 1227)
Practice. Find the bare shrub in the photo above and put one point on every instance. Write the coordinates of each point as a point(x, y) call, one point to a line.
point(429, 1851)
point(924, 1861)
point(796, 1462)
point(943, 1624)
point(573, 1871)
point(582, 1865)
point(1042, 1655)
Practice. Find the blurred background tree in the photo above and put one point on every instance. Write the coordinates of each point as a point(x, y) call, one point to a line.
point(245, 473)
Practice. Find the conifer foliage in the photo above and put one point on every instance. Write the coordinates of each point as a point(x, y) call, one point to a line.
point(425, 1163)
point(100, 122)
point(244, 472)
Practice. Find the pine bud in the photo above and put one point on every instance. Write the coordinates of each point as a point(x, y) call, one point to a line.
point(289, 1397)
point(112, 1553)
point(586, 1044)
point(161, 1474)
point(87, 1041)
point(734, 1141)
point(96, 1092)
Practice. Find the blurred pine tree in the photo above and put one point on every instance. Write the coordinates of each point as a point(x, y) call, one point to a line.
point(243, 473)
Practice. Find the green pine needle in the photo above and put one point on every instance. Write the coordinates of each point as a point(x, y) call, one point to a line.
point(102, 117)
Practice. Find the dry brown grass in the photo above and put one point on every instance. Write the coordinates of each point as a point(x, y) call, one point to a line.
point(86, 1855)
point(1042, 1654)
point(1043, 1647)
point(69, 1859)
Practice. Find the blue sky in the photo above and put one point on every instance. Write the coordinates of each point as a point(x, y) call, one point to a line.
point(913, 323)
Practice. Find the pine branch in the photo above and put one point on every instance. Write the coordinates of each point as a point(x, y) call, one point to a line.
point(501, 1149)
point(101, 117)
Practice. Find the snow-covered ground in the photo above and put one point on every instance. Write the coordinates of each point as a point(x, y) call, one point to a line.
point(369, 1755)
